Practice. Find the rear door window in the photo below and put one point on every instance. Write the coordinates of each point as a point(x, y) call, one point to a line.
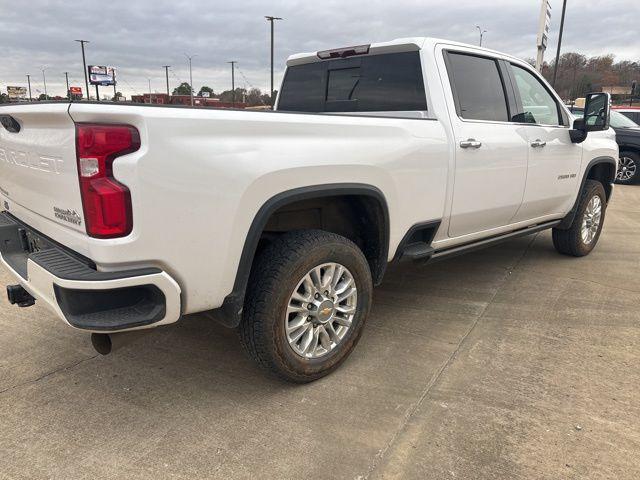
point(477, 87)
point(376, 83)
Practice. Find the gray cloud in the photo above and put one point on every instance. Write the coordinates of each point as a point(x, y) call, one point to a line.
point(138, 37)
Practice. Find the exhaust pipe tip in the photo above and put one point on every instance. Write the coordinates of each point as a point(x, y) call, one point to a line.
point(105, 343)
point(101, 343)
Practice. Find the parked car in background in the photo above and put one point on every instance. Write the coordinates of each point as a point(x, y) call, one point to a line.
point(631, 112)
point(628, 138)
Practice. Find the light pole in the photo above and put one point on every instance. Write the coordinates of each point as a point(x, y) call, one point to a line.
point(149, 80)
point(233, 83)
point(84, 63)
point(190, 77)
point(44, 80)
point(66, 76)
point(29, 83)
point(272, 20)
point(482, 32)
point(166, 71)
point(555, 70)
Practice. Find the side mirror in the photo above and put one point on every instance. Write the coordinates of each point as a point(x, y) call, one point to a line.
point(597, 112)
point(597, 115)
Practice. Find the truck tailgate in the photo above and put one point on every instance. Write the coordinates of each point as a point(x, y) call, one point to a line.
point(38, 168)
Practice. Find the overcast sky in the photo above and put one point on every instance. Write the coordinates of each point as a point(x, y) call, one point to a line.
point(139, 36)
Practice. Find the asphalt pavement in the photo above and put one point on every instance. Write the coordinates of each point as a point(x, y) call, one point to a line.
point(509, 363)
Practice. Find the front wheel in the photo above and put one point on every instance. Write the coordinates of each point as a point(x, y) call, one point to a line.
point(628, 168)
point(585, 230)
point(308, 297)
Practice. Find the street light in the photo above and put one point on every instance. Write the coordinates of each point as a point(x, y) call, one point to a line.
point(482, 32)
point(233, 83)
point(84, 63)
point(190, 76)
point(66, 76)
point(29, 82)
point(44, 80)
point(166, 71)
point(272, 20)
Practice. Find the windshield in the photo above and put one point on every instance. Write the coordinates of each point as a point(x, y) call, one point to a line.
point(620, 121)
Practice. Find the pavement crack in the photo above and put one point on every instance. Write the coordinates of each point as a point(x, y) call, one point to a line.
point(436, 377)
point(48, 374)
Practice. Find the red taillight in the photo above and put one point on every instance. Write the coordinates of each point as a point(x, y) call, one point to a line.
point(105, 201)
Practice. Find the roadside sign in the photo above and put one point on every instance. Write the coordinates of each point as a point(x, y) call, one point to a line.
point(544, 24)
point(101, 75)
point(75, 91)
point(17, 93)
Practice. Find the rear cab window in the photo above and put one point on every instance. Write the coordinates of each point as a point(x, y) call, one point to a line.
point(478, 87)
point(391, 82)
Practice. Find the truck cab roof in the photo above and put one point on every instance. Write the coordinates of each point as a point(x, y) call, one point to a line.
point(407, 44)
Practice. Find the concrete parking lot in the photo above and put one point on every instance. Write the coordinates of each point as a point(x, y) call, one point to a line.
point(509, 363)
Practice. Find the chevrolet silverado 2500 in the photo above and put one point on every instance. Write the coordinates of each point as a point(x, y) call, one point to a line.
point(126, 217)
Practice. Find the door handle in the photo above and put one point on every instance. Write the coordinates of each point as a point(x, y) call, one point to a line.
point(538, 143)
point(470, 143)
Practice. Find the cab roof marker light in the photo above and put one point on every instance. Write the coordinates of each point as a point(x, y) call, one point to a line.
point(344, 52)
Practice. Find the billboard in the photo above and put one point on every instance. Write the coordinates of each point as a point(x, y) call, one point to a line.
point(17, 93)
point(101, 75)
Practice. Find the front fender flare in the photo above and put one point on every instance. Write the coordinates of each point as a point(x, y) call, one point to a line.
point(567, 221)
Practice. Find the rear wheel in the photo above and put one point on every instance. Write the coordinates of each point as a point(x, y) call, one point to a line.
point(585, 230)
point(628, 168)
point(308, 298)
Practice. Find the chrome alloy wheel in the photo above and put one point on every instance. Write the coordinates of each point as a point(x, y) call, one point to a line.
point(591, 220)
point(321, 310)
point(626, 169)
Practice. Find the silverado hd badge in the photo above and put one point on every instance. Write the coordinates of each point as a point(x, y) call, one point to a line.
point(68, 215)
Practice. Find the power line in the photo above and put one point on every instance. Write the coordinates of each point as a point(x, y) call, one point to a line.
point(250, 85)
point(135, 92)
point(176, 76)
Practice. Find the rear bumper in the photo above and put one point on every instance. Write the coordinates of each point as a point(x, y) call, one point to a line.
point(77, 292)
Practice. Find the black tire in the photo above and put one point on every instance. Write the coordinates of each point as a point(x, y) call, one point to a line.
point(570, 241)
point(628, 160)
point(274, 277)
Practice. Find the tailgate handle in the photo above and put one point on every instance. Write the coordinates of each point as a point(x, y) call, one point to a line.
point(10, 123)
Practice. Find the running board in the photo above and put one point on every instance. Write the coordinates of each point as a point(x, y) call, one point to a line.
point(488, 242)
point(417, 251)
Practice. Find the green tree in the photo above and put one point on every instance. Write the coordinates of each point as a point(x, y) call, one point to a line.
point(183, 89)
point(117, 97)
point(4, 98)
point(227, 95)
point(254, 97)
point(208, 90)
point(42, 96)
point(267, 100)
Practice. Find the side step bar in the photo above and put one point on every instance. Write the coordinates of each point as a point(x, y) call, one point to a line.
point(488, 242)
point(422, 253)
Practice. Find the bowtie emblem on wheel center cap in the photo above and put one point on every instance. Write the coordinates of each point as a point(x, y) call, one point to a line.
point(325, 311)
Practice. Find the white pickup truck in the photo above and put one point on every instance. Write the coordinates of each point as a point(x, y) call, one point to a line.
point(126, 217)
